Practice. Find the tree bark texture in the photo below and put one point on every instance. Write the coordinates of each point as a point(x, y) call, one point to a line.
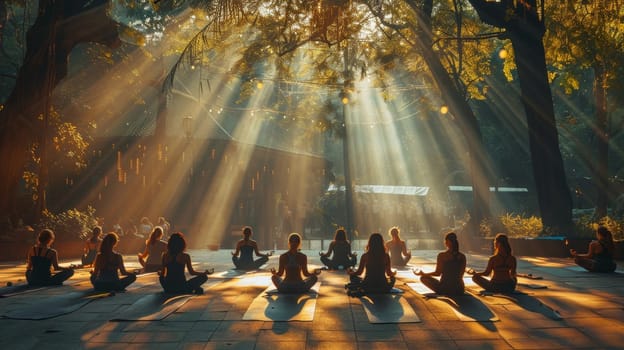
point(525, 30)
point(479, 160)
point(73, 23)
point(601, 168)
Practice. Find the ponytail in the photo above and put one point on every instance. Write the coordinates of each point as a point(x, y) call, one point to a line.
point(452, 238)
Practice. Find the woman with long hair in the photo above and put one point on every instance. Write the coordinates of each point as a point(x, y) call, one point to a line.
point(397, 249)
point(599, 256)
point(379, 277)
point(42, 260)
point(293, 265)
point(108, 266)
point(151, 258)
point(502, 264)
point(450, 266)
point(340, 251)
point(246, 248)
point(90, 247)
point(172, 277)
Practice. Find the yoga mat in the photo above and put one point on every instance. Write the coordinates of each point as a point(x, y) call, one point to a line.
point(527, 302)
point(153, 307)
point(232, 273)
point(533, 285)
point(53, 306)
point(271, 305)
point(466, 306)
point(388, 308)
point(18, 290)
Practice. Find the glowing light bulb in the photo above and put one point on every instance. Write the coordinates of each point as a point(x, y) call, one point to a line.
point(345, 100)
point(259, 85)
point(503, 54)
point(444, 109)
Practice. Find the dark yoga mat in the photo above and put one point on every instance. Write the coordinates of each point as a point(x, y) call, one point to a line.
point(53, 306)
point(388, 308)
point(466, 306)
point(19, 289)
point(271, 305)
point(527, 302)
point(153, 307)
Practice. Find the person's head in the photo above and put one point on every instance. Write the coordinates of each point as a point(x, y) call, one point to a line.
point(46, 236)
point(109, 242)
point(176, 243)
point(603, 234)
point(294, 240)
point(340, 235)
point(247, 231)
point(161, 220)
point(501, 245)
point(156, 235)
point(450, 240)
point(145, 221)
point(97, 231)
point(394, 232)
point(376, 244)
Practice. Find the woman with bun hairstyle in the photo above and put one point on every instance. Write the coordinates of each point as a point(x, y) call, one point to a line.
point(599, 256)
point(502, 264)
point(450, 266)
point(42, 260)
point(108, 266)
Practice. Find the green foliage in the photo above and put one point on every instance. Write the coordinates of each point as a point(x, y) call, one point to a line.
point(514, 225)
point(586, 226)
point(69, 225)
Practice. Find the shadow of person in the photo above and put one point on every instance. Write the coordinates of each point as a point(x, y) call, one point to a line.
point(469, 308)
point(529, 303)
point(284, 307)
point(383, 308)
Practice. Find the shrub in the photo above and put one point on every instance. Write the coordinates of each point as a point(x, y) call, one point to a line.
point(586, 226)
point(513, 225)
point(69, 225)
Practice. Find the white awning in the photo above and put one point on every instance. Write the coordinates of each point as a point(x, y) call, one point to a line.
point(492, 189)
point(386, 189)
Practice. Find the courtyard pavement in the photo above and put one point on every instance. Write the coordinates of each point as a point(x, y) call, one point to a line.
point(572, 309)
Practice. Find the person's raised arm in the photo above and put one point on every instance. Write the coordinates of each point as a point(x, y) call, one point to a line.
point(512, 269)
point(282, 264)
point(54, 259)
point(388, 264)
point(238, 247)
point(330, 249)
point(29, 265)
point(254, 244)
point(189, 266)
point(404, 249)
point(488, 268)
point(360, 269)
point(304, 267)
point(591, 250)
point(122, 267)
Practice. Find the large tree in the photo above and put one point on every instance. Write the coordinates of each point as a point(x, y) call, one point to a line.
point(594, 49)
point(58, 28)
point(523, 23)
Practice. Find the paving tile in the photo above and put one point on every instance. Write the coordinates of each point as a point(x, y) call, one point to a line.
point(593, 317)
point(330, 345)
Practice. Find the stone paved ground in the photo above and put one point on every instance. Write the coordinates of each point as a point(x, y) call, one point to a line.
point(591, 306)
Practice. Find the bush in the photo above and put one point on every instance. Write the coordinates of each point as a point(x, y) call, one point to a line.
point(586, 226)
point(69, 225)
point(514, 226)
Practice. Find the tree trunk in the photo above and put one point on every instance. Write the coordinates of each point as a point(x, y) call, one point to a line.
point(73, 24)
point(525, 30)
point(553, 194)
point(468, 123)
point(601, 170)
